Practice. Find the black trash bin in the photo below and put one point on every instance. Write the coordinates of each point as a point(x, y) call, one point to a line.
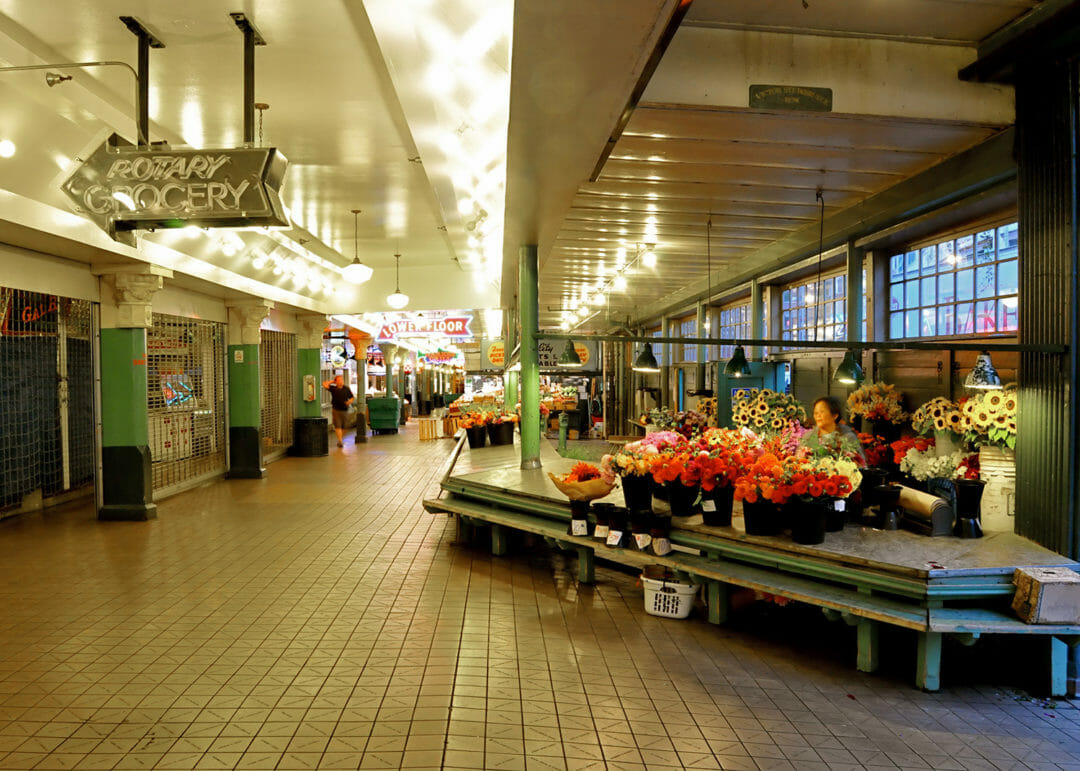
point(311, 437)
point(437, 400)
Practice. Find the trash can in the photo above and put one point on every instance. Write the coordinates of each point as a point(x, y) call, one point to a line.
point(310, 437)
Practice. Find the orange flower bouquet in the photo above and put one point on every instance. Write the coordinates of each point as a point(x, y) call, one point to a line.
point(765, 479)
point(585, 482)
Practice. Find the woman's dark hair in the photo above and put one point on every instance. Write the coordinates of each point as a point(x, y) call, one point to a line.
point(834, 406)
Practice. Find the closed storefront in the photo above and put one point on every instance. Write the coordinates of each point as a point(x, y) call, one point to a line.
point(46, 398)
point(186, 400)
point(277, 362)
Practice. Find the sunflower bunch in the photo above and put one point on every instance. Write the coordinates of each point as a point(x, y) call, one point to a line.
point(877, 401)
point(990, 418)
point(765, 411)
point(938, 414)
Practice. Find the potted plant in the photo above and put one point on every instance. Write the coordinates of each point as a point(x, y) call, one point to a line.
point(721, 454)
point(761, 487)
point(942, 419)
point(990, 425)
point(500, 426)
point(475, 425)
point(634, 464)
point(879, 405)
point(820, 485)
point(584, 483)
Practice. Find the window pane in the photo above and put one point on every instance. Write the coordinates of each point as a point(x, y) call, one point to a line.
point(896, 325)
point(945, 320)
point(802, 319)
point(911, 323)
point(985, 285)
point(802, 334)
point(929, 260)
point(1007, 314)
point(911, 294)
point(929, 322)
point(827, 313)
point(929, 291)
point(841, 332)
point(785, 321)
point(800, 298)
point(911, 264)
point(840, 290)
point(840, 311)
point(965, 285)
point(828, 288)
point(787, 298)
point(829, 332)
point(1008, 282)
point(945, 285)
point(984, 247)
point(986, 316)
point(1007, 241)
point(896, 267)
point(965, 323)
point(896, 297)
point(965, 247)
point(946, 253)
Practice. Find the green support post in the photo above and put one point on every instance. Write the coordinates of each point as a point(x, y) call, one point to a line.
point(564, 428)
point(245, 417)
point(511, 391)
point(757, 313)
point(586, 570)
point(1059, 662)
point(499, 540)
point(868, 657)
point(928, 661)
point(718, 597)
point(127, 483)
point(528, 292)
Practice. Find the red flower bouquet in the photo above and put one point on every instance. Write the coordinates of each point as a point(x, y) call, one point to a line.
point(901, 446)
point(585, 482)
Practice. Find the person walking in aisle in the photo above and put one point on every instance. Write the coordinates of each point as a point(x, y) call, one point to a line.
point(341, 396)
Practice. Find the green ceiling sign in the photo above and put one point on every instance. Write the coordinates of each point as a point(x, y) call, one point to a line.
point(806, 98)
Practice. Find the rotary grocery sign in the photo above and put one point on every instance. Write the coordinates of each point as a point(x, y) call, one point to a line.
point(123, 188)
point(451, 326)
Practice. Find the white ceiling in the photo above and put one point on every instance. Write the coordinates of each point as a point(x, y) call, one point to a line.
point(420, 113)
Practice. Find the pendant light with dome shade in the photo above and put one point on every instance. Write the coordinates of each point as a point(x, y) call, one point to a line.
point(849, 372)
point(570, 357)
point(983, 375)
point(356, 272)
point(645, 361)
point(397, 300)
point(737, 365)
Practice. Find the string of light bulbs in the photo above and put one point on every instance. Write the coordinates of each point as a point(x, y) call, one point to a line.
point(575, 317)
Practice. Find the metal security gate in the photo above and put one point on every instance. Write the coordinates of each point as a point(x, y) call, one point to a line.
point(46, 398)
point(277, 376)
point(185, 396)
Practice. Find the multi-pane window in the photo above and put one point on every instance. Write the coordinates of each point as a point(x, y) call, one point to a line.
point(961, 286)
point(658, 348)
point(734, 323)
point(815, 310)
point(688, 328)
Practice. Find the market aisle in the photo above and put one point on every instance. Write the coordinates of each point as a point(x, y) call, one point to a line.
point(321, 619)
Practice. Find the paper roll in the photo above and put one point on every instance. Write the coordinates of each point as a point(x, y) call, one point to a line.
point(922, 503)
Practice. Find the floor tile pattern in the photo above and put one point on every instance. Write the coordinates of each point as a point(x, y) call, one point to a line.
point(320, 619)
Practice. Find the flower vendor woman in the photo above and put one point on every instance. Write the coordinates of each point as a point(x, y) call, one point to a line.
point(830, 434)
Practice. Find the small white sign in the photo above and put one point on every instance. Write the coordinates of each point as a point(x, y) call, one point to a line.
point(708, 504)
point(238, 356)
point(643, 540)
point(579, 527)
point(614, 537)
point(840, 504)
point(661, 546)
point(601, 532)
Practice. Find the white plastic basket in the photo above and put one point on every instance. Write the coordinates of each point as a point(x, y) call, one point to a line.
point(670, 599)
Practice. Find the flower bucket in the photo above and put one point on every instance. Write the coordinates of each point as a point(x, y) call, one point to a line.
point(808, 521)
point(997, 467)
point(637, 491)
point(477, 436)
point(969, 493)
point(834, 517)
point(945, 443)
point(716, 506)
point(761, 518)
point(681, 499)
point(501, 433)
point(886, 429)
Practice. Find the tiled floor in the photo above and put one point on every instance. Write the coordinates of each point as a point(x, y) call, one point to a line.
point(321, 619)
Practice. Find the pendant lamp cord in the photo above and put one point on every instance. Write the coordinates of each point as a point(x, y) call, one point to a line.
point(819, 195)
point(708, 269)
point(397, 273)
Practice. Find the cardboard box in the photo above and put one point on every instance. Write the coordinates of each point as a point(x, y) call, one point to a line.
point(1047, 595)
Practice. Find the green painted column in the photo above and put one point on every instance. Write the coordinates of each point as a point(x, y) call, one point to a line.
point(126, 485)
point(665, 365)
point(528, 292)
point(511, 390)
point(310, 432)
point(307, 366)
point(245, 396)
point(854, 292)
point(757, 312)
point(127, 482)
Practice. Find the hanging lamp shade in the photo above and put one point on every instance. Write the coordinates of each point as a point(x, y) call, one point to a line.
point(983, 374)
point(849, 370)
point(645, 361)
point(397, 300)
point(737, 365)
point(356, 272)
point(569, 357)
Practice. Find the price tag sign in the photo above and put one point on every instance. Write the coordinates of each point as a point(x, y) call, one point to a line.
point(661, 546)
point(614, 537)
point(708, 504)
point(601, 532)
point(579, 527)
point(643, 540)
point(840, 504)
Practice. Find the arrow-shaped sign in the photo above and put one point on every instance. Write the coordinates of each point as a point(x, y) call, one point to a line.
point(123, 188)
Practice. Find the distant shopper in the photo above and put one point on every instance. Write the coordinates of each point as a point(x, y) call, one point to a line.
point(341, 396)
point(831, 435)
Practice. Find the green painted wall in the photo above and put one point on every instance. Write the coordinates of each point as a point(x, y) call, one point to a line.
point(307, 363)
point(123, 388)
point(244, 394)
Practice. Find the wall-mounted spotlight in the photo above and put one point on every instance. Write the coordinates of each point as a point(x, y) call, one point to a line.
point(55, 78)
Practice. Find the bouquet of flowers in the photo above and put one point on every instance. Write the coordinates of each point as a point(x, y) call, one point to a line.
point(707, 407)
point(968, 467)
point(990, 418)
point(877, 401)
point(901, 447)
point(719, 457)
point(824, 477)
point(875, 449)
point(475, 418)
point(938, 414)
point(766, 478)
point(765, 411)
point(495, 417)
point(585, 482)
point(636, 458)
point(924, 464)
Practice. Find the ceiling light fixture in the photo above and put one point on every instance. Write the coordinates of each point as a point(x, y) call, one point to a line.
point(648, 257)
point(646, 361)
point(356, 272)
point(849, 372)
point(397, 300)
point(570, 357)
point(983, 374)
point(7, 148)
point(55, 78)
point(737, 365)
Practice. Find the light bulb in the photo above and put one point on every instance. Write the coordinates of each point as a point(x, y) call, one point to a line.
point(598, 298)
point(356, 272)
point(7, 148)
point(648, 258)
point(397, 300)
point(620, 283)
